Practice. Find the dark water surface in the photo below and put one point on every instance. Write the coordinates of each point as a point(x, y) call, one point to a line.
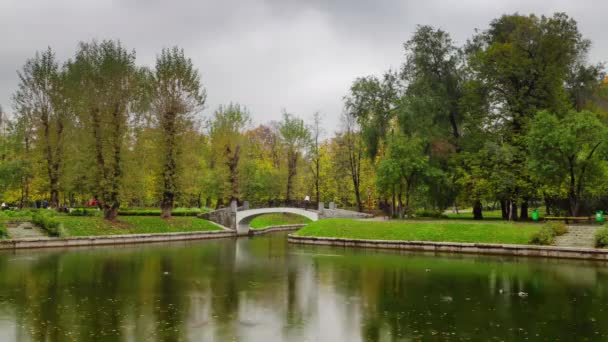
point(263, 289)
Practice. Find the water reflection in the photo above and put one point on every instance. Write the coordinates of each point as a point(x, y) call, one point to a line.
point(261, 289)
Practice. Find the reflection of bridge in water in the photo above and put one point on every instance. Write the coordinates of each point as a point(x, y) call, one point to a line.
point(238, 218)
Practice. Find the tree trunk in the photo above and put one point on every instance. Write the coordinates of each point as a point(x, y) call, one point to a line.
point(292, 164)
point(110, 213)
point(513, 211)
point(233, 163)
point(169, 131)
point(393, 204)
point(318, 196)
point(524, 211)
point(477, 210)
point(503, 209)
point(166, 205)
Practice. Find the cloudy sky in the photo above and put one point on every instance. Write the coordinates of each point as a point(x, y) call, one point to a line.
point(266, 54)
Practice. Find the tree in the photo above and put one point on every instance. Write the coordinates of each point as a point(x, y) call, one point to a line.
point(315, 152)
point(433, 72)
point(568, 151)
point(105, 87)
point(522, 63)
point(351, 152)
point(226, 130)
point(177, 96)
point(294, 137)
point(41, 96)
point(402, 168)
point(370, 103)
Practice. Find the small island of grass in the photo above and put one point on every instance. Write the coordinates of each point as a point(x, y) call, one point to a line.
point(495, 232)
point(278, 219)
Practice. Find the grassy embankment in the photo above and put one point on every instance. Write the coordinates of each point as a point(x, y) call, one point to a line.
point(85, 222)
point(481, 232)
point(85, 226)
point(278, 219)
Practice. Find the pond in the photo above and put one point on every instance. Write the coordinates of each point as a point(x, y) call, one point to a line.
point(262, 289)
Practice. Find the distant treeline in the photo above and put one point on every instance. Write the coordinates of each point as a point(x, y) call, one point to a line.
point(515, 117)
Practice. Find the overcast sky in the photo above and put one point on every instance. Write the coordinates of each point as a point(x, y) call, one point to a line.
point(265, 54)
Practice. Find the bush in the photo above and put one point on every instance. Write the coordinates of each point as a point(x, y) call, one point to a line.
point(84, 212)
point(545, 236)
point(46, 220)
point(558, 228)
point(3, 231)
point(156, 212)
point(601, 237)
point(18, 215)
point(430, 213)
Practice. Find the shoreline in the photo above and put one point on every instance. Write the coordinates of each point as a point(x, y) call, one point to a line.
point(276, 229)
point(130, 239)
point(459, 247)
point(105, 240)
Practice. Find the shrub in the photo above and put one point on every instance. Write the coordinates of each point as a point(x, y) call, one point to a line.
point(601, 237)
point(156, 212)
point(545, 236)
point(430, 213)
point(3, 231)
point(46, 220)
point(558, 228)
point(84, 212)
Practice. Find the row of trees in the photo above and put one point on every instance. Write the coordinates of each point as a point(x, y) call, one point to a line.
point(100, 126)
point(514, 118)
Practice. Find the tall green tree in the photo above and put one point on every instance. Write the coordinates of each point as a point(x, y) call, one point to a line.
point(295, 137)
point(41, 96)
point(226, 130)
point(106, 85)
point(522, 63)
point(568, 151)
point(177, 96)
point(314, 152)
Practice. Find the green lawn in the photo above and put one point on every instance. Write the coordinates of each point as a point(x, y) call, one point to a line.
point(278, 219)
point(88, 226)
point(494, 232)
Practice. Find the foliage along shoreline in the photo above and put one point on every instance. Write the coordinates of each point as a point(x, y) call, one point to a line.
point(515, 118)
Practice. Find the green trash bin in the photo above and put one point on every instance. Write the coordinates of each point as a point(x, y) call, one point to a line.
point(534, 215)
point(599, 216)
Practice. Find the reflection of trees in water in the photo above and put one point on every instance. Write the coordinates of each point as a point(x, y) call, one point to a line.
point(152, 293)
point(475, 298)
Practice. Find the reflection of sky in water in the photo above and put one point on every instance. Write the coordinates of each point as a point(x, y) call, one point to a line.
point(261, 289)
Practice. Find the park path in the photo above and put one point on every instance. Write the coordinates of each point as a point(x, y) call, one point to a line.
point(25, 230)
point(577, 236)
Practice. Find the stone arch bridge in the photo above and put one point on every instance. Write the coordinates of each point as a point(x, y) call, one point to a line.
point(238, 218)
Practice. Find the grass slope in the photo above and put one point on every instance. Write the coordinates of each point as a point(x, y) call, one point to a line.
point(495, 232)
point(89, 226)
point(278, 219)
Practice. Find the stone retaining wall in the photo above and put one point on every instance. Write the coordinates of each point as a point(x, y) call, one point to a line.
point(457, 247)
point(112, 239)
point(274, 229)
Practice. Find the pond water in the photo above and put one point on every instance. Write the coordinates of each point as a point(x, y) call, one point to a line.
point(262, 289)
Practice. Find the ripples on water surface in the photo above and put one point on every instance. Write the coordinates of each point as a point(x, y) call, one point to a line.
point(262, 289)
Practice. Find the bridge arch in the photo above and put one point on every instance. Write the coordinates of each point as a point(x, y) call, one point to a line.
point(243, 217)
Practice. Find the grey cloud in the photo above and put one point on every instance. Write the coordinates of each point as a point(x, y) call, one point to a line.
point(265, 54)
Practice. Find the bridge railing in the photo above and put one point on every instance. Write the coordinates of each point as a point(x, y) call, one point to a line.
point(281, 203)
